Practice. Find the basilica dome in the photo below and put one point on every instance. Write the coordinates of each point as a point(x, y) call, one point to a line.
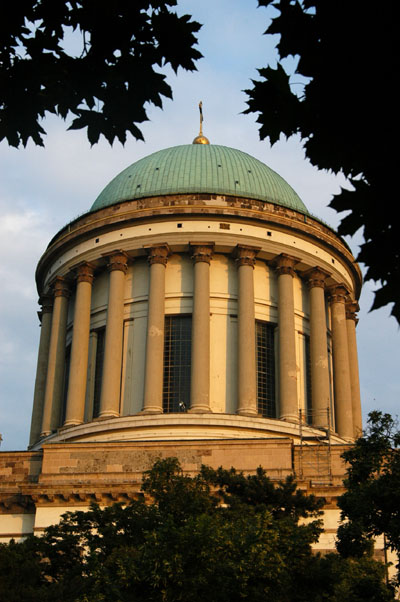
point(197, 299)
point(199, 168)
point(196, 310)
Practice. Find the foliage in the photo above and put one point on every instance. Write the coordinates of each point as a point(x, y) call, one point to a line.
point(339, 579)
point(345, 115)
point(371, 503)
point(259, 492)
point(219, 535)
point(107, 82)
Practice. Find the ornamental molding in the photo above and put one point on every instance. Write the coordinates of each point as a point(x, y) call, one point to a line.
point(352, 308)
point(246, 255)
point(46, 301)
point(284, 264)
point(316, 277)
point(158, 254)
point(85, 272)
point(338, 293)
point(61, 287)
point(117, 261)
point(202, 251)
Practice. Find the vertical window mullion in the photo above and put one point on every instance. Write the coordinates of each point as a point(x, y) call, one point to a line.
point(98, 374)
point(265, 361)
point(177, 363)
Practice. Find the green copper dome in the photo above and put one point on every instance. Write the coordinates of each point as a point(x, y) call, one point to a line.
point(199, 168)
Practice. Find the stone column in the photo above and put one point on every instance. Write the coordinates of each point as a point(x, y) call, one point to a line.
point(320, 389)
point(351, 322)
point(200, 374)
point(247, 385)
point(154, 369)
point(341, 366)
point(56, 366)
point(112, 366)
point(75, 410)
point(287, 342)
point(46, 301)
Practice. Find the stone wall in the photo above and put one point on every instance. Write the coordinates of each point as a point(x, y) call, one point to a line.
point(36, 488)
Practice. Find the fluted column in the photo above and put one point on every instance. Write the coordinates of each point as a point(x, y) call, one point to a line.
point(46, 302)
point(154, 369)
point(112, 366)
point(351, 322)
point(320, 389)
point(341, 366)
point(75, 410)
point(287, 341)
point(56, 365)
point(200, 372)
point(247, 385)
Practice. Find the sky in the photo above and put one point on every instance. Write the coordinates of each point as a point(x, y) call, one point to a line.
point(43, 189)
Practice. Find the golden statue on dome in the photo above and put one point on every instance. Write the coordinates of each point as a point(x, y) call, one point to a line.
point(200, 139)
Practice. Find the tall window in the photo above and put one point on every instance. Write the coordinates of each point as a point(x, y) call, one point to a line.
point(98, 373)
point(307, 370)
point(66, 383)
point(177, 363)
point(265, 359)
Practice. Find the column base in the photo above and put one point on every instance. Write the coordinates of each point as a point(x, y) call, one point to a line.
point(319, 425)
point(199, 410)
point(44, 434)
point(106, 415)
point(152, 410)
point(290, 418)
point(247, 412)
point(69, 423)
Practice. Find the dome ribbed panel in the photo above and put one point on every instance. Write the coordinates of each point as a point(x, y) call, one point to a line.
point(199, 168)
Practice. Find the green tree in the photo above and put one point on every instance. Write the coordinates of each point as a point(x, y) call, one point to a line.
point(106, 82)
point(346, 114)
point(371, 503)
point(219, 535)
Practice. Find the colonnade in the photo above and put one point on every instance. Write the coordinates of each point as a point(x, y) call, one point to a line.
point(51, 361)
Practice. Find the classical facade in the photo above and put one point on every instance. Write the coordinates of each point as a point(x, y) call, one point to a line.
point(198, 310)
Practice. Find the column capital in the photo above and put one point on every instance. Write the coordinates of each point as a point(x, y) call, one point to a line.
point(202, 251)
point(352, 308)
point(316, 277)
point(246, 255)
point(84, 272)
point(337, 293)
point(46, 301)
point(284, 264)
point(117, 261)
point(61, 287)
point(158, 253)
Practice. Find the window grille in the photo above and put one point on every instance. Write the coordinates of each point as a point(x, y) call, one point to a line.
point(177, 363)
point(307, 369)
point(98, 371)
point(67, 364)
point(265, 361)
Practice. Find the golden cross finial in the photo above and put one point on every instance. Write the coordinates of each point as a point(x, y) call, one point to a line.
point(200, 139)
point(201, 117)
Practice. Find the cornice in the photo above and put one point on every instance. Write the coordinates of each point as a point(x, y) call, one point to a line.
point(179, 206)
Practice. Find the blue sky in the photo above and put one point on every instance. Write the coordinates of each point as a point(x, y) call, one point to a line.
point(42, 189)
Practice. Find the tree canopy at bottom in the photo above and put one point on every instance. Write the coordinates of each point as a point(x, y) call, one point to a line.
point(220, 536)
